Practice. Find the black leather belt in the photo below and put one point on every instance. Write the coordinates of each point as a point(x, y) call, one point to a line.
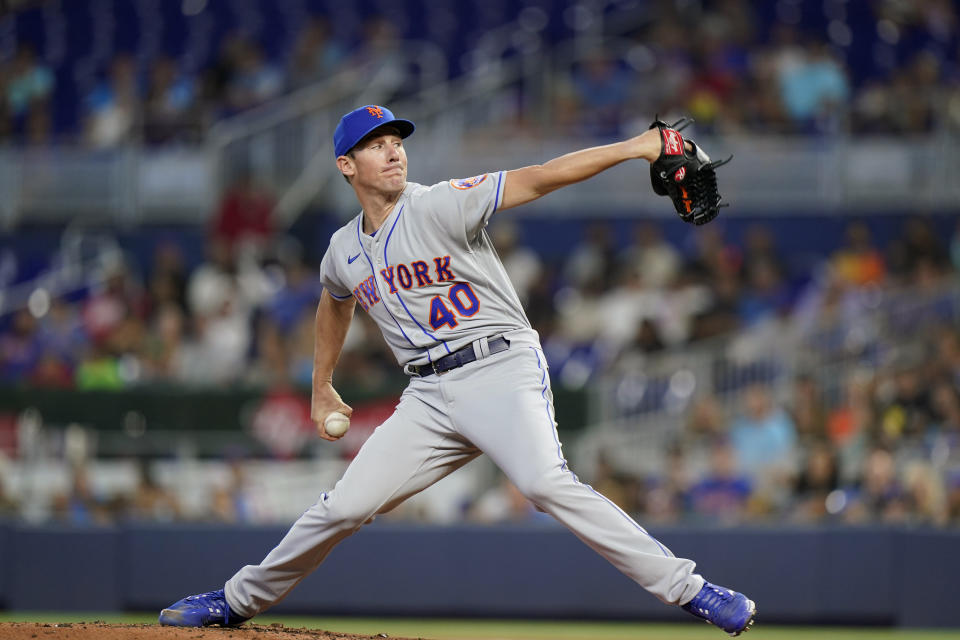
point(456, 359)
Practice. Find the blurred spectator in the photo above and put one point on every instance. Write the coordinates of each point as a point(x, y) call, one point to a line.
point(61, 331)
point(171, 110)
point(52, 371)
point(299, 292)
point(915, 251)
point(221, 310)
point(524, 267)
point(270, 366)
point(955, 247)
point(854, 415)
point(381, 56)
point(905, 409)
point(720, 315)
point(656, 261)
point(667, 498)
point(765, 293)
point(878, 496)
point(29, 88)
point(807, 410)
point(20, 348)
point(244, 216)
point(593, 261)
point(858, 262)
point(622, 488)
point(628, 315)
point(819, 476)
point(601, 86)
point(953, 498)
point(114, 108)
point(764, 437)
point(114, 300)
point(764, 296)
point(80, 504)
point(942, 438)
point(99, 369)
point(169, 354)
point(300, 352)
point(168, 278)
point(926, 499)
point(230, 501)
point(814, 89)
point(253, 80)
point(220, 73)
point(226, 278)
point(150, 502)
point(316, 54)
point(722, 494)
point(760, 249)
point(9, 507)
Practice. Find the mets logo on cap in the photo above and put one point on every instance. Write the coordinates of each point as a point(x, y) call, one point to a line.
point(467, 183)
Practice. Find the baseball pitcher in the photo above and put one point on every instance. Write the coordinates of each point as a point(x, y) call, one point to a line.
point(419, 261)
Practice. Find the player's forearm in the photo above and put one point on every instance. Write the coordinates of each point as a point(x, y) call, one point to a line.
point(330, 331)
point(529, 183)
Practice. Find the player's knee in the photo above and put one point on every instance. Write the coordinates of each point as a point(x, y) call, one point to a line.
point(541, 489)
point(346, 515)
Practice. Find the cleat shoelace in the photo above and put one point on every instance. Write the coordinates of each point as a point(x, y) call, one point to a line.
point(205, 600)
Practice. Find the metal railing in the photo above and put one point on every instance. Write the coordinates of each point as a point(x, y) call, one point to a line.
point(639, 413)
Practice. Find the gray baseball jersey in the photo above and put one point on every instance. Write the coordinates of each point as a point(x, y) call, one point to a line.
point(434, 284)
point(429, 276)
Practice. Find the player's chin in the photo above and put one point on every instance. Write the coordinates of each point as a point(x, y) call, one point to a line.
point(394, 181)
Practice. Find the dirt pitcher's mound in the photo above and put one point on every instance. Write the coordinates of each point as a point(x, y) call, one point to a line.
point(104, 631)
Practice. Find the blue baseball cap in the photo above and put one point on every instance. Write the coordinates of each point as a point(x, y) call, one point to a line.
point(354, 126)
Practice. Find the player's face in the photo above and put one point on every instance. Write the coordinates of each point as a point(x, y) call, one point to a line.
point(380, 163)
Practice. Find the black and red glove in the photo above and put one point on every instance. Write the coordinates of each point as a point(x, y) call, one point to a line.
point(688, 177)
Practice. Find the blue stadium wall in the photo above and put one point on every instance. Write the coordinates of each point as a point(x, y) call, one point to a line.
point(863, 576)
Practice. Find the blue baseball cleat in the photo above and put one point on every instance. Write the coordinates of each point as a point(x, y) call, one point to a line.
point(201, 610)
point(731, 611)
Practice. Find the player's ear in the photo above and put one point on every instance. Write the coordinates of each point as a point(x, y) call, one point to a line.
point(346, 166)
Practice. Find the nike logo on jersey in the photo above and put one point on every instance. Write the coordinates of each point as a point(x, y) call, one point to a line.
point(350, 260)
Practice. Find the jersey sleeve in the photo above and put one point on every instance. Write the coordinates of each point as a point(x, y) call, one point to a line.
point(464, 205)
point(329, 277)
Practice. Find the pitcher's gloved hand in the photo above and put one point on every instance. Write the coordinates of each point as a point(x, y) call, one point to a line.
point(687, 176)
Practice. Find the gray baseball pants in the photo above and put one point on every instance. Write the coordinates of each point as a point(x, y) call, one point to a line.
point(502, 406)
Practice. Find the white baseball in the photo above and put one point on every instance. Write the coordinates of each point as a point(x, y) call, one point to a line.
point(336, 424)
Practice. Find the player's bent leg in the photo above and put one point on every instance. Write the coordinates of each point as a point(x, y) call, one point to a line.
point(519, 434)
point(671, 579)
point(609, 531)
point(407, 446)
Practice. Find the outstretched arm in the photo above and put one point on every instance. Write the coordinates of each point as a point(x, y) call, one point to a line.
point(330, 332)
point(529, 183)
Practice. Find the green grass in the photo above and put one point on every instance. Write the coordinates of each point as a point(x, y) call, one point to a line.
point(457, 629)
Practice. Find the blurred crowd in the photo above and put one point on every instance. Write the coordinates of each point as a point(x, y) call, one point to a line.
point(878, 441)
point(869, 438)
point(882, 67)
point(885, 452)
point(244, 313)
point(885, 67)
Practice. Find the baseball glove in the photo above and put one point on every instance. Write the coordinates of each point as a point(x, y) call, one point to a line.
point(689, 178)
